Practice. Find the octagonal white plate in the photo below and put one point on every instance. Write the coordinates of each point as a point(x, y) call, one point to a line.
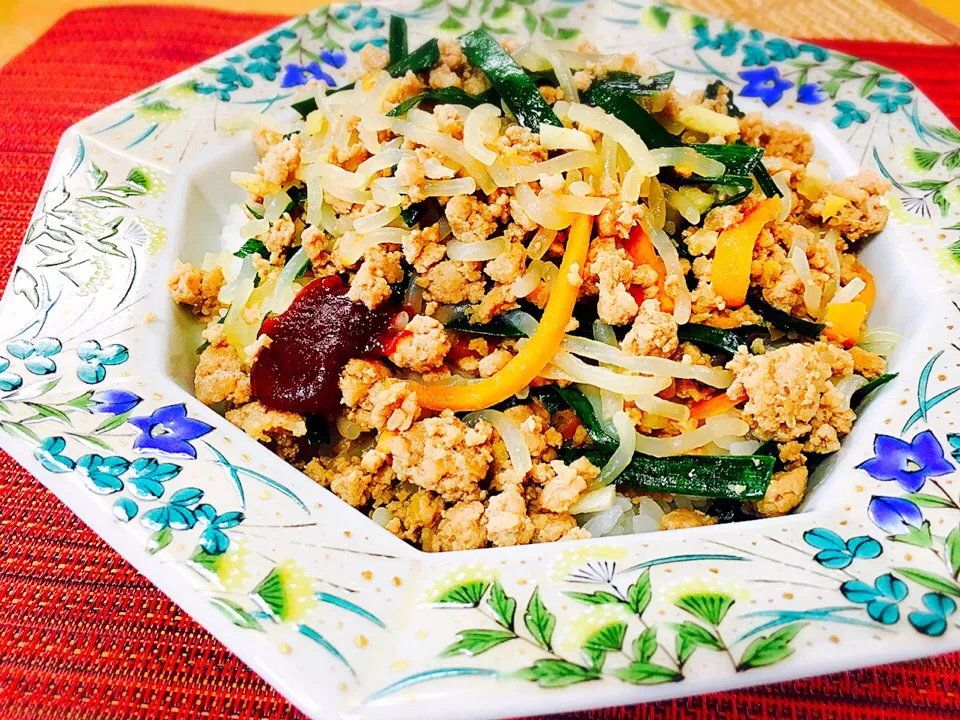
point(344, 619)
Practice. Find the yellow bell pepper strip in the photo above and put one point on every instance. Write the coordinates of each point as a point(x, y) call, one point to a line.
point(734, 253)
point(843, 322)
point(869, 293)
point(538, 350)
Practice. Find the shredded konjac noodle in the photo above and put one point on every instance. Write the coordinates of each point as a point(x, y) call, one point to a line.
point(512, 298)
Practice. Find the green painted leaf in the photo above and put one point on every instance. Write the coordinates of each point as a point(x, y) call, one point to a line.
point(112, 423)
point(529, 21)
point(428, 4)
point(567, 33)
point(867, 86)
point(639, 594)
point(605, 639)
point(503, 606)
point(660, 16)
point(709, 607)
point(451, 23)
point(47, 411)
point(539, 621)
point(461, 11)
point(951, 161)
point(927, 501)
point(271, 594)
point(770, 649)
point(558, 13)
point(920, 537)
point(927, 184)
point(646, 673)
point(947, 133)
point(952, 551)
point(550, 673)
point(103, 201)
point(159, 540)
point(500, 11)
point(690, 636)
point(97, 176)
point(475, 642)
point(547, 28)
point(205, 562)
point(645, 645)
point(942, 201)
point(235, 614)
point(468, 594)
point(599, 597)
point(930, 580)
point(19, 431)
point(81, 402)
point(925, 159)
point(92, 440)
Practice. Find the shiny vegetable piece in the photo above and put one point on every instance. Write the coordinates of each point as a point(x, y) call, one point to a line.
point(843, 322)
point(539, 349)
point(717, 476)
point(716, 405)
point(869, 294)
point(734, 253)
point(784, 321)
point(451, 95)
point(641, 250)
point(398, 39)
point(516, 88)
point(627, 83)
point(713, 338)
point(863, 393)
point(555, 396)
point(310, 343)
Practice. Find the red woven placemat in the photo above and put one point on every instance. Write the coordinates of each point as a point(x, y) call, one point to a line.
point(82, 635)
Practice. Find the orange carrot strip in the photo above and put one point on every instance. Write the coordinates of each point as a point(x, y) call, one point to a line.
point(869, 293)
point(716, 405)
point(539, 349)
point(641, 250)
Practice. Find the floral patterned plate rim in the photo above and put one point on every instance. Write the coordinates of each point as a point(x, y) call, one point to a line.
point(344, 619)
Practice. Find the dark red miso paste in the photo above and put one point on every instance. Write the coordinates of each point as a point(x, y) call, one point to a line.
point(311, 342)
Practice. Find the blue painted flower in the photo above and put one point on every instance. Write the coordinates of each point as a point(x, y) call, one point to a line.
point(881, 598)
point(113, 402)
point(909, 463)
point(811, 94)
point(848, 113)
point(168, 431)
point(125, 510)
point(888, 102)
point(178, 514)
point(94, 357)
point(369, 18)
point(50, 455)
point(933, 622)
point(819, 54)
point(726, 42)
point(754, 55)
point(294, 75)
point(896, 516)
point(36, 354)
point(835, 553)
point(765, 84)
point(780, 50)
point(334, 57)
point(8, 381)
